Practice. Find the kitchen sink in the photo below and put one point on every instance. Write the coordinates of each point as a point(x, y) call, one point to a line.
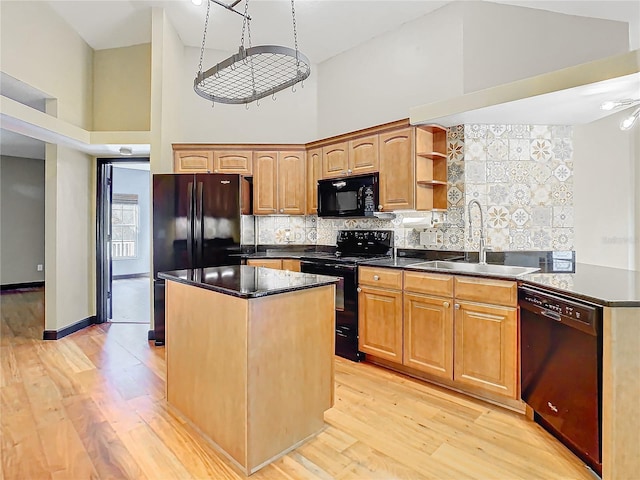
point(482, 269)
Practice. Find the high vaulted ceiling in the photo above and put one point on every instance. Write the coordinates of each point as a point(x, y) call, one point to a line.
point(325, 28)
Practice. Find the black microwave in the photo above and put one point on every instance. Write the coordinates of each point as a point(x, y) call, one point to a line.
point(355, 196)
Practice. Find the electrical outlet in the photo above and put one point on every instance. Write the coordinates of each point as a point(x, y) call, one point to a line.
point(39, 267)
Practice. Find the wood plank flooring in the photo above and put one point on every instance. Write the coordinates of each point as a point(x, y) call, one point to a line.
point(91, 406)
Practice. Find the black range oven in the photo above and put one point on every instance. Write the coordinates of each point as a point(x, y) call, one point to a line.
point(353, 247)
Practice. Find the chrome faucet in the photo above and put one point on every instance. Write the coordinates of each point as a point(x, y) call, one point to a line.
point(482, 252)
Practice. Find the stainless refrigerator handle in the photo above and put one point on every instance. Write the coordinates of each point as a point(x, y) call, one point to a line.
point(190, 222)
point(200, 223)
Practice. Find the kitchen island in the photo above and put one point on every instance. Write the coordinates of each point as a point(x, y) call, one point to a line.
point(249, 354)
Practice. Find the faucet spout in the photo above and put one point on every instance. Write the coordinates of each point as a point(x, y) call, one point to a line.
point(482, 251)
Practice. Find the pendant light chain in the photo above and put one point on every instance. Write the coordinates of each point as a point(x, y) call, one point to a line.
point(204, 37)
point(295, 33)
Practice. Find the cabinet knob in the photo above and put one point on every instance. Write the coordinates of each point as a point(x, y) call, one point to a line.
point(358, 289)
point(282, 210)
point(349, 171)
point(457, 306)
point(376, 277)
point(445, 304)
point(380, 208)
point(215, 171)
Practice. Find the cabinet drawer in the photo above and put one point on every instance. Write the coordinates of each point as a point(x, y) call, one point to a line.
point(429, 283)
point(485, 290)
point(380, 277)
point(275, 263)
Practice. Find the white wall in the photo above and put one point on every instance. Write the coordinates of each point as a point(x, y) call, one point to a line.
point(70, 250)
point(22, 214)
point(379, 81)
point(503, 43)
point(605, 193)
point(291, 118)
point(39, 48)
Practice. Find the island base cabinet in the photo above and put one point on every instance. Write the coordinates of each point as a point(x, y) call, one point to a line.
point(486, 347)
point(255, 376)
point(428, 334)
point(380, 323)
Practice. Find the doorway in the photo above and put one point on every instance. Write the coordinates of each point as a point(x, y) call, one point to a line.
point(124, 241)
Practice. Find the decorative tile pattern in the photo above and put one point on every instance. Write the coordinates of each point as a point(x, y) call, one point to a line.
point(528, 193)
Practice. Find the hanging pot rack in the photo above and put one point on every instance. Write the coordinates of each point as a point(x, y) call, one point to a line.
point(253, 73)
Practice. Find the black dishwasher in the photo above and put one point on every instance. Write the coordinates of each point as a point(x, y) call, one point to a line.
point(561, 362)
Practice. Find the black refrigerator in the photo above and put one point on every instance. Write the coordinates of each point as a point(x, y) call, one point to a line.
point(196, 224)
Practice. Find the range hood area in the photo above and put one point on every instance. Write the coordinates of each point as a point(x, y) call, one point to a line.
point(570, 96)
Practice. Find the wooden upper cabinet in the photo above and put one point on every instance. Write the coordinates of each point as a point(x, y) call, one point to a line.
point(279, 183)
point(335, 160)
point(192, 161)
point(265, 199)
point(291, 183)
point(314, 173)
point(397, 170)
point(364, 155)
point(238, 161)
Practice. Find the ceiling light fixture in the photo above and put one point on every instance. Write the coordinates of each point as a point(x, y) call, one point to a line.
point(627, 102)
point(253, 73)
point(127, 151)
point(630, 121)
point(197, 3)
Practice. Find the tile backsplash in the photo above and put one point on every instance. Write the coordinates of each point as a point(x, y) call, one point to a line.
point(522, 175)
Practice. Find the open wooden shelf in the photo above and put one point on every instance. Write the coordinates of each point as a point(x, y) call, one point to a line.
point(431, 167)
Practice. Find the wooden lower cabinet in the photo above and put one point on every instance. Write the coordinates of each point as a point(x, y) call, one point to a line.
point(486, 347)
point(291, 265)
point(276, 263)
point(428, 334)
point(441, 325)
point(380, 323)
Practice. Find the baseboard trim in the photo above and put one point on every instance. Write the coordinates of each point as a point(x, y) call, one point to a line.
point(58, 334)
point(151, 335)
point(131, 275)
point(17, 286)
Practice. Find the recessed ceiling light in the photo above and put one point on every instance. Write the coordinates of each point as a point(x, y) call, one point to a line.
point(197, 3)
point(126, 151)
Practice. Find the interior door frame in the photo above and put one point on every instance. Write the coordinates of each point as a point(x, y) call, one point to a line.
point(103, 232)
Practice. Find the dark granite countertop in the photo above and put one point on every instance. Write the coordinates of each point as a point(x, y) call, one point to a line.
point(247, 282)
point(611, 287)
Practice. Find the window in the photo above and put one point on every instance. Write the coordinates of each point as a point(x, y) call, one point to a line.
point(124, 225)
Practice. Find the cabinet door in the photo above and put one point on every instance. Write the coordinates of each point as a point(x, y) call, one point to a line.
point(274, 263)
point(428, 334)
point(192, 161)
point(264, 183)
point(291, 264)
point(335, 160)
point(364, 155)
point(314, 173)
point(291, 183)
point(232, 162)
point(486, 347)
point(396, 170)
point(380, 323)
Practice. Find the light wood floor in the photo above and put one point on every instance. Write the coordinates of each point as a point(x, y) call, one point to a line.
point(131, 300)
point(92, 406)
